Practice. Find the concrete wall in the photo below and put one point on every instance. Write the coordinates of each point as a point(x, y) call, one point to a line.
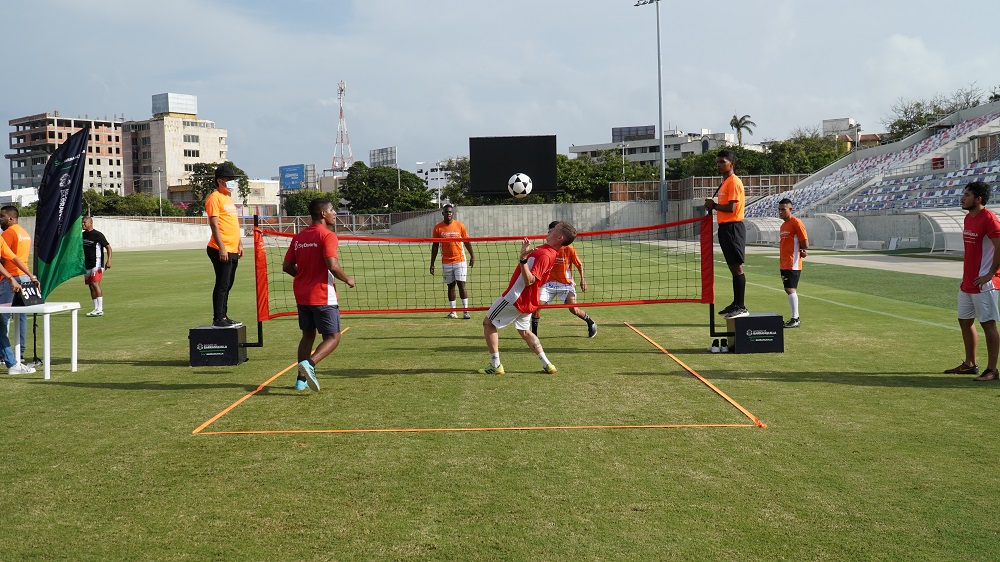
point(126, 233)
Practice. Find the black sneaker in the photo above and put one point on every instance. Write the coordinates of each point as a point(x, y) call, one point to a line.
point(792, 323)
point(738, 312)
point(591, 329)
point(728, 309)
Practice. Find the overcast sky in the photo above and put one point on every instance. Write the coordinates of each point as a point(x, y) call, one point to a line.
point(425, 76)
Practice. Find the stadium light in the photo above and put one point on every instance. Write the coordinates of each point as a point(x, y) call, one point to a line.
point(159, 190)
point(659, 106)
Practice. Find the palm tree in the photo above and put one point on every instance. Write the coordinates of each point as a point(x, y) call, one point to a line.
point(739, 124)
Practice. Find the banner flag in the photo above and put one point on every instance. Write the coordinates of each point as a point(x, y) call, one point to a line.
point(58, 225)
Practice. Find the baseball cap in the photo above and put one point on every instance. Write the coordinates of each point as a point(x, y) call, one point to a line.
point(226, 170)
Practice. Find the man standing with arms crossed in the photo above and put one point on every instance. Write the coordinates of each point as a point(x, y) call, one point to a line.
point(312, 260)
point(977, 295)
point(225, 248)
point(732, 231)
point(792, 248)
point(94, 244)
point(521, 297)
point(452, 258)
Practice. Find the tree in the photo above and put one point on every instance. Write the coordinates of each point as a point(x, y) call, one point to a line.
point(203, 184)
point(740, 124)
point(909, 116)
point(456, 189)
point(384, 189)
point(297, 204)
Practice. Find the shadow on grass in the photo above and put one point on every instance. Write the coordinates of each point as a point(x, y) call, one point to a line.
point(145, 385)
point(133, 362)
point(882, 379)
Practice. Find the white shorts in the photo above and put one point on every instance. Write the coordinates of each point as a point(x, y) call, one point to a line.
point(981, 306)
point(454, 272)
point(503, 312)
point(553, 290)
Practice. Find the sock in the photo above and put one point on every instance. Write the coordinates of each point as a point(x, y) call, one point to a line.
point(97, 304)
point(451, 304)
point(100, 303)
point(495, 360)
point(534, 325)
point(793, 301)
point(545, 360)
point(311, 362)
point(739, 290)
point(465, 303)
point(588, 320)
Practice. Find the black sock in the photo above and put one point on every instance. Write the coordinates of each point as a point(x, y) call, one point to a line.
point(587, 319)
point(739, 290)
point(534, 325)
point(301, 377)
point(311, 362)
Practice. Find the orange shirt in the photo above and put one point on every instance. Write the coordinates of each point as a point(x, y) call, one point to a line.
point(19, 242)
point(793, 234)
point(732, 190)
point(5, 251)
point(222, 206)
point(562, 271)
point(451, 252)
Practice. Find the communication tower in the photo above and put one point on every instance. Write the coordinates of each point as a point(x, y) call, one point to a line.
point(342, 157)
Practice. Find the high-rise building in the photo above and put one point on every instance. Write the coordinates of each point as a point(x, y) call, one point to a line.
point(35, 137)
point(161, 152)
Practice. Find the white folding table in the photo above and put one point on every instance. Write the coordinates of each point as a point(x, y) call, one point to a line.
point(46, 310)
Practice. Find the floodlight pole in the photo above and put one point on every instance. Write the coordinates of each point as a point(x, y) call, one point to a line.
point(659, 105)
point(159, 190)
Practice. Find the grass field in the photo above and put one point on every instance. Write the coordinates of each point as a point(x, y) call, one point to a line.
point(869, 452)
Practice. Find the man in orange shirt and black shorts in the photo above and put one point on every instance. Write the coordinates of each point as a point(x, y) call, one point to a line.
point(732, 232)
point(453, 263)
point(225, 248)
point(792, 248)
point(560, 285)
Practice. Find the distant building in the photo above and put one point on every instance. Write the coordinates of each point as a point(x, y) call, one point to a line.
point(160, 153)
point(263, 198)
point(639, 144)
point(435, 178)
point(35, 137)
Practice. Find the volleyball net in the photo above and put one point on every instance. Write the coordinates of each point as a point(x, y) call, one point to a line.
point(665, 263)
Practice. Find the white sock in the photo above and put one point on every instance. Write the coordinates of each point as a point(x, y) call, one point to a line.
point(495, 359)
point(97, 303)
point(100, 303)
point(465, 303)
point(545, 360)
point(793, 301)
point(451, 304)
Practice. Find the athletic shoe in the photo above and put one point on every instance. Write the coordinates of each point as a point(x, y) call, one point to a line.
point(491, 370)
point(466, 315)
point(715, 347)
point(728, 309)
point(724, 346)
point(549, 369)
point(301, 385)
point(20, 369)
point(988, 375)
point(592, 329)
point(451, 315)
point(963, 369)
point(96, 313)
point(738, 312)
point(792, 323)
point(310, 372)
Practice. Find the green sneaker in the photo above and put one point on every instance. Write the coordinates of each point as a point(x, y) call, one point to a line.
point(549, 369)
point(491, 370)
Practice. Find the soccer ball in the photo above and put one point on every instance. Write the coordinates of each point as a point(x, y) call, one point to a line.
point(519, 185)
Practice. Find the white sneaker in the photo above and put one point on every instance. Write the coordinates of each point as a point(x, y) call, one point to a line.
point(451, 315)
point(96, 313)
point(466, 316)
point(20, 369)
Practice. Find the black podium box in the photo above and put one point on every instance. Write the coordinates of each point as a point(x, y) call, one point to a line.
point(761, 332)
point(212, 347)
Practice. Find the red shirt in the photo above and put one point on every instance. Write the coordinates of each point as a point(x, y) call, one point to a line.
point(313, 284)
point(525, 297)
point(978, 250)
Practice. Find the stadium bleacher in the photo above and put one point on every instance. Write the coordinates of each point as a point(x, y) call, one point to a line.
point(856, 173)
point(927, 191)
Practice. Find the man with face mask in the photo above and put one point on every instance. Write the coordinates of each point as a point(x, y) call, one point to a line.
point(225, 248)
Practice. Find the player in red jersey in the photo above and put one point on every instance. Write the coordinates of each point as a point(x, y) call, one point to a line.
point(977, 295)
point(521, 297)
point(562, 286)
point(312, 260)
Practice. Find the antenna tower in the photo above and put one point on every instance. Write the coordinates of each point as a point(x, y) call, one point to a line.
point(345, 159)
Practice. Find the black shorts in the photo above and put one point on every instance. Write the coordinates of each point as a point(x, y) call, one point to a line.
point(324, 319)
point(790, 278)
point(733, 241)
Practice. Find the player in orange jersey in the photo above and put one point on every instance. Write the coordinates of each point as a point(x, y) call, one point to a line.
point(453, 265)
point(560, 285)
point(792, 249)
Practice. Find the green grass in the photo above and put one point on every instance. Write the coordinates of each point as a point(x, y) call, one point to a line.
point(870, 453)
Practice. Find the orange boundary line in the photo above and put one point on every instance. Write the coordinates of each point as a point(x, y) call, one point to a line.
point(201, 428)
point(726, 397)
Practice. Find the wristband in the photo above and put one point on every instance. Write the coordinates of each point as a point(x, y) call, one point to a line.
point(523, 262)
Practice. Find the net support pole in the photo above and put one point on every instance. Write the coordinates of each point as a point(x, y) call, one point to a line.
point(260, 325)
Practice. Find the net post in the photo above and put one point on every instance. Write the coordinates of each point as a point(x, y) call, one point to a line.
point(260, 324)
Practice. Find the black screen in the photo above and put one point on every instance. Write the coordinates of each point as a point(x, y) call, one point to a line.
point(493, 160)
